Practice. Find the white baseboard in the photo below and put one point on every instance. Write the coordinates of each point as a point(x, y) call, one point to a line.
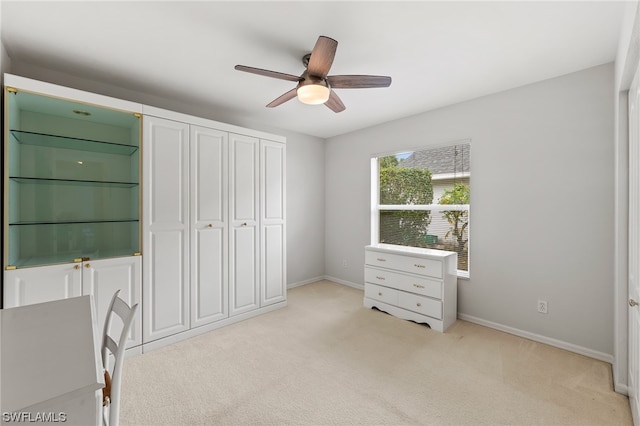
point(620, 388)
point(344, 282)
point(541, 339)
point(178, 337)
point(305, 282)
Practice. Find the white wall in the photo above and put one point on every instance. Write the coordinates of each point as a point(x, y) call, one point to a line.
point(542, 163)
point(305, 170)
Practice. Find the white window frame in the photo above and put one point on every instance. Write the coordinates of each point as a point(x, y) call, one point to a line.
point(376, 206)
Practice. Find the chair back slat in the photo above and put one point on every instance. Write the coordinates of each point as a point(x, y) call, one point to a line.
point(111, 345)
point(117, 348)
point(121, 309)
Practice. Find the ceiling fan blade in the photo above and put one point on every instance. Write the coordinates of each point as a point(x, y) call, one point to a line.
point(358, 81)
point(322, 56)
point(267, 73)
point(335, 103)
point(282, 98)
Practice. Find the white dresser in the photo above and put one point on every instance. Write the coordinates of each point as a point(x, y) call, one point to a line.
point(412, 283)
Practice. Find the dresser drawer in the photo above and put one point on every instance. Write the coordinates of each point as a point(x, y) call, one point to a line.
point(410, 283)
point(383, 294)
point(414, 265)
point(420, 304)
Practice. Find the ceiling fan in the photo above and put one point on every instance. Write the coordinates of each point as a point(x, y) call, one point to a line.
point(314, 85)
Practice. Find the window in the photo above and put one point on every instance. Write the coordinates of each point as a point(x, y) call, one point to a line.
point(422, 199)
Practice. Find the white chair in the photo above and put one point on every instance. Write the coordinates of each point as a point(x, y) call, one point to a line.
point(111, 392)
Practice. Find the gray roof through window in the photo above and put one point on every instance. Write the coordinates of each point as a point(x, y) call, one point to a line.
point(447, 159)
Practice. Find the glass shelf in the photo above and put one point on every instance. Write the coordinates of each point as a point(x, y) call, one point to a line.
point(77, 144)
point(72, 222)
point(70, 257)
point(49, 243)
point(72, 182)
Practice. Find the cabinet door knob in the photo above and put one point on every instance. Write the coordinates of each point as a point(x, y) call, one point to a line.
point(244, 224)
point(76, 266)
point(209, 226)
point(418, 304)
point(632, 303)
point(87, 265)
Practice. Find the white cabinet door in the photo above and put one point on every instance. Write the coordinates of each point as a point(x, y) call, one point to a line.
point(42, 284)
point(165, 228)
point(102, 278)
point(272, 210)
point(209, 210)
point(243, 220)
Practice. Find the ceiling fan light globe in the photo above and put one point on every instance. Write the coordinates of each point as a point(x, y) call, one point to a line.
point(313, 94)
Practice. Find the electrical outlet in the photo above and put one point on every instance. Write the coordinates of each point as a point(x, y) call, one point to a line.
point(543, 308)
point(345, 264)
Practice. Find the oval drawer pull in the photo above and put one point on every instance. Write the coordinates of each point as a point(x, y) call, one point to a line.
point(380, 278)
point(380, 259)
point(418, 285)
point(418, 265)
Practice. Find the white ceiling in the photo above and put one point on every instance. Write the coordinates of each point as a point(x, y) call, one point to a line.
point(438, 53)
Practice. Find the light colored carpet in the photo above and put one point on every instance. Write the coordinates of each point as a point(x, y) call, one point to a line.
point(327, 360)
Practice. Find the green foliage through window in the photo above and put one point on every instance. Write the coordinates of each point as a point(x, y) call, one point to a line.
point(405, 186)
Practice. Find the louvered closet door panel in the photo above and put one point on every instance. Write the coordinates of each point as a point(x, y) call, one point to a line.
point(165, 228)
point(273, 206)
point(243, 218)
point(209, 212)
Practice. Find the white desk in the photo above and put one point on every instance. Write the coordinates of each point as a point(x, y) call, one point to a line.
point(50, 363)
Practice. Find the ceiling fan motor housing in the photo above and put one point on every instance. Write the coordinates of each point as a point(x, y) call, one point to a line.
point(307, 79)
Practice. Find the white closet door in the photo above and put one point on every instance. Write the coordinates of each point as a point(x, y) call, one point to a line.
point(243, 216)
point(272, 211)
point(165, 228)
point(209, 210)
point(42, 284)
point(102, 278)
